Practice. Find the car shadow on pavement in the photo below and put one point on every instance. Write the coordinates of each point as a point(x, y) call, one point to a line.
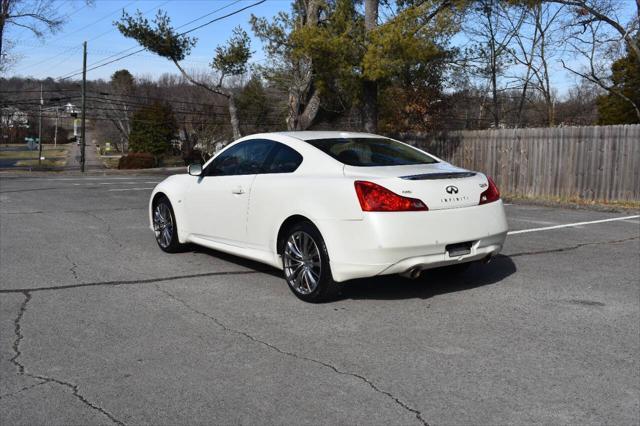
point(391, 287)
point(432, 282)
point(236, 260)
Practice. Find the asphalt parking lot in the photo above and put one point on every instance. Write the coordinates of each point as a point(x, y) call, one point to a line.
point(98, 326)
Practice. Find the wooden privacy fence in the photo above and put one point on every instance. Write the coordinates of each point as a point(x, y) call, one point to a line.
point(592, 163)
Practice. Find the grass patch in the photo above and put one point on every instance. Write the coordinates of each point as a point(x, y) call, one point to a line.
point(576, 202)
point(45, 163)
point(110, 162)
point(58, 152)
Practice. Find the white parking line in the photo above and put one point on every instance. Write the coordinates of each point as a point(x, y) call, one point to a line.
point(94, 178)
point(569, 225)
point(537, 222)
point(119, 183)
point(129, 189)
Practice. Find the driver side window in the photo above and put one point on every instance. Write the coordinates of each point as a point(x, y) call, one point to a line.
point(246, 158)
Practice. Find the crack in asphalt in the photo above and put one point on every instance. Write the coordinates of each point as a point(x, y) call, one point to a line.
point(127, 282)
point(26, 388)
point(362, 378)
point(108, 230)
point(74, 267)
point(75, 389)
point(570, 248)
point(17, 329)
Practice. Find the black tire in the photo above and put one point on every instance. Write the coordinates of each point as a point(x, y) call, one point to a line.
point(166, 238)
point(324, 288)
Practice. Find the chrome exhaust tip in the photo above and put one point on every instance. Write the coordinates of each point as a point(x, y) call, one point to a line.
point(487, 259)
point(412, 273)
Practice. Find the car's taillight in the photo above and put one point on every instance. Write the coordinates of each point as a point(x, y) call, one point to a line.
point(491, 194)
point(375, 198)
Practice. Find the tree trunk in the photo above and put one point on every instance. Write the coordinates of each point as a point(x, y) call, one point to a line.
point(294, 108)
point(233, 111)
point(301, 85)
point(310, 111)
point(528, 62)
point(4, 13)
point(233, 116)
point(370, 87)
point(488, 14)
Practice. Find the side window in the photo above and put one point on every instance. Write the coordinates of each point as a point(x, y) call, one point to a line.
point(284, 160)
point(246, 158)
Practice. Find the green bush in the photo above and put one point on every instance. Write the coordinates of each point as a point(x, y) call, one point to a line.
point(137, 160)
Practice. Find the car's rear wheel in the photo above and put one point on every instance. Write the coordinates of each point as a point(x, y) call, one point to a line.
point(165, 227)
point(306, 264)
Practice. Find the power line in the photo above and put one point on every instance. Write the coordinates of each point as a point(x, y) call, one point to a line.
point(140, 50)
point(208, 14)
point(183, 33)
point(223, 17)
point(75, 31)
point(72, 50)
point(156, 98)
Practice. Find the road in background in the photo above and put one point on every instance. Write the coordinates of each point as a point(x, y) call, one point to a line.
point(98, 326)
point(92, 159)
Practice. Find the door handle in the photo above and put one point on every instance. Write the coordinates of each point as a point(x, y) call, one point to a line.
point(238, 190)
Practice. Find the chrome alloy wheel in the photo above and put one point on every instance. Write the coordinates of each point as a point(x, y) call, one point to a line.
point(163, 224)
point(302, 263)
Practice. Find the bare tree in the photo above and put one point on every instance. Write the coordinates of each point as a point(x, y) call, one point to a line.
point(493, 36)
point(589, 12)
point(597, 36)
point(122, 84)
point(37, 16)
point(536, 44)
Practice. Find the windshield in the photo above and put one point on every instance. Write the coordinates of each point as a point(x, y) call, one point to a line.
point(371, 152)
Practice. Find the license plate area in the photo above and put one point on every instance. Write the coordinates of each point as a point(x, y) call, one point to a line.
point(459, 249)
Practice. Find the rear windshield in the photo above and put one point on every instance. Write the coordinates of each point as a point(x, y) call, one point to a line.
point(371, 152)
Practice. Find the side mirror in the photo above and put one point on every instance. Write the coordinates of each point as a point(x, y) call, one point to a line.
point(194, 169)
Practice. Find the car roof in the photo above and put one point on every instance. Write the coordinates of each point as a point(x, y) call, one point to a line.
point(308, 135)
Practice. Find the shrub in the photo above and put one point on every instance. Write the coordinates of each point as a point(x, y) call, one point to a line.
point(137, 160)
point(195, 156)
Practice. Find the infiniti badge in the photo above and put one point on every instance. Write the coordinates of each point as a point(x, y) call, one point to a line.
point(451, 189)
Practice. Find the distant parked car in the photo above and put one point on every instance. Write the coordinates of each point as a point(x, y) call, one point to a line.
point(327, 207)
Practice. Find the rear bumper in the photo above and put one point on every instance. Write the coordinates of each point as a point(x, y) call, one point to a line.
point(392, 243)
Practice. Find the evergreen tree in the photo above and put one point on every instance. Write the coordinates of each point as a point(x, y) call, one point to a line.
point(620, 105)
point(152, 129)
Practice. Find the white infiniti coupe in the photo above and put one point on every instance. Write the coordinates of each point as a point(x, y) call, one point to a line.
point(327, 207)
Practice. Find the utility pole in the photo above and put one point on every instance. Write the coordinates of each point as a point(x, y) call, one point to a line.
point(40, 129)
point(84, 88)
point(55, 133)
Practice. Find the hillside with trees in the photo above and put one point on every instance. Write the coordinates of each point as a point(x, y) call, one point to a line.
point(381, 66)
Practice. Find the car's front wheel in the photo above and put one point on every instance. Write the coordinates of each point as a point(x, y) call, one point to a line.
point(164, 226)
point(306, 264)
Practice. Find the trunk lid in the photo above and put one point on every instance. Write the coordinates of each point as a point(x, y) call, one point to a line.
point(440, 185)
